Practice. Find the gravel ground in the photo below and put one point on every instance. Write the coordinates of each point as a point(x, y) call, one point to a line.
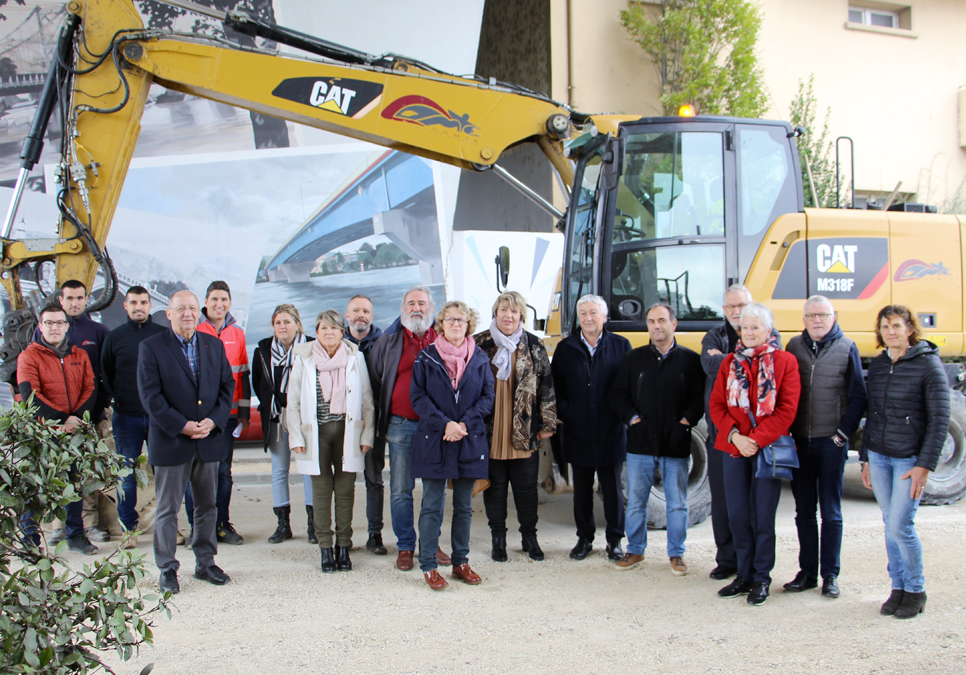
point(280, 614)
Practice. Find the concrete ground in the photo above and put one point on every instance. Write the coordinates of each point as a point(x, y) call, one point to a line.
point(280, 614)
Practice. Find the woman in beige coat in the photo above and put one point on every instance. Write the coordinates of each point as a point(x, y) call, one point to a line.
point(331, 424)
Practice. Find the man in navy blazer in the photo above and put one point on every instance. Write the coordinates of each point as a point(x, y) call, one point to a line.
point(186, 387)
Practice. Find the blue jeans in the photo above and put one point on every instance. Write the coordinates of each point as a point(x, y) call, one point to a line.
point(818, 483)
point(431, 520)
point(640, 478)
point(223, 494)
point(399, 438)
point(898, 514)
point(130, 434)
point(281, 462)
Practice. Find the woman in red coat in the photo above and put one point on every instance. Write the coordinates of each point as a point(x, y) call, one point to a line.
point(761, 379)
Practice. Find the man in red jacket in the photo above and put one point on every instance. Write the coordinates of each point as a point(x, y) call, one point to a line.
point(59, 377)
point(219, 322)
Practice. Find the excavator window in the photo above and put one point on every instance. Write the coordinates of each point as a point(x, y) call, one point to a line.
point(668, 232)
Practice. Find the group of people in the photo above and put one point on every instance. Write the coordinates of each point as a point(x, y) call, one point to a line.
point(468, 411)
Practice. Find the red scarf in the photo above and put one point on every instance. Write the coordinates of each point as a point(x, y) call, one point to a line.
point(739, 377)
point(455, 358)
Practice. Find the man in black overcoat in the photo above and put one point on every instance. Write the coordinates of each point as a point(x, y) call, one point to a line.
point(186, 387)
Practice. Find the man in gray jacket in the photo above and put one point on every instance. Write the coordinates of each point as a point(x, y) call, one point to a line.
point(831, 406)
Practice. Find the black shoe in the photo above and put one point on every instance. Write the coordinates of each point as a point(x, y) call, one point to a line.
point(582, 549)
point(375, 545)
point(342, 562)
point(81, 544)
point(890, 606)
point(328, 560)
point(284, 529)
point(720, 573)
point(212, 574)
point(189, 542)
point(310, 527)
point(758, 594)
point(912, 605)
point(498, 554)
point(737, 587)
point(532, 548)
point(168, 582)
point(830, 587)
point(801, 582)
point(227, 535)
point(614, 551)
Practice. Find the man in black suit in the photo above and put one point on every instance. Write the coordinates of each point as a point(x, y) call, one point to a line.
point(186, 387)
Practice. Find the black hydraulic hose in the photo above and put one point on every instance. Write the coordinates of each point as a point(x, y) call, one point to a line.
point(33, 145)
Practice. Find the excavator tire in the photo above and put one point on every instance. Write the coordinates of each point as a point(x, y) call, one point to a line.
point(947, 484)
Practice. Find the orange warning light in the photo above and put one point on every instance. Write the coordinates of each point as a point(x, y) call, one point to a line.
point(686, 110)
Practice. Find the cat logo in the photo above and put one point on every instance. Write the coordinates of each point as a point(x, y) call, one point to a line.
point(337, 95)
point(331, 97)
point(837, 259)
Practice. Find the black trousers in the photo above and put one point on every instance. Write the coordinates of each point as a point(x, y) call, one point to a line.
point(521, 474)
point(609, 478)
point(720, 526)
point(375, 462)
point(752, 504)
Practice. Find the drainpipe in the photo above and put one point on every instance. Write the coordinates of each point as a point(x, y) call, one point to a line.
point(571, 55)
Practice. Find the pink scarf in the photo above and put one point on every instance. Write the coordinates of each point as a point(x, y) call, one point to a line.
point(455, 358)
point(331, 375)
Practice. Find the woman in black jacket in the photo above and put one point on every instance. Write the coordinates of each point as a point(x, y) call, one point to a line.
point(271, 366)
point(904, 434)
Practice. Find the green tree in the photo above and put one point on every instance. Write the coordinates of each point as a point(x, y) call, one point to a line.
point(814, 147)
point(54, 619)
point(704, 52)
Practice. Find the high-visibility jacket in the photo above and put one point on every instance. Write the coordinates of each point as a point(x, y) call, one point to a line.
point(233, 337)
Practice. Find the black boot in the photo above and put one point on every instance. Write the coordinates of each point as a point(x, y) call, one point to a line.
point(284, 529)
point(890, 606)
point(328, 560)
point(531, 546)
point(342, 558)
point(912, 605)
point(499, 549)
point(310, 514)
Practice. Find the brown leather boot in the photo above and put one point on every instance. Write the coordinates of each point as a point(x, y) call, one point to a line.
point(436, 582)
point(466, 575)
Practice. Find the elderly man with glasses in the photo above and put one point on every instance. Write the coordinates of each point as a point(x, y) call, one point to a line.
point(831, 406)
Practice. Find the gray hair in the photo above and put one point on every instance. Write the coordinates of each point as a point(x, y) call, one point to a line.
point(672, 315)
point(736, 288)
point(596, 299)
point(330, 318)
point(421, 289)
point(818, 300)
point(759, 311)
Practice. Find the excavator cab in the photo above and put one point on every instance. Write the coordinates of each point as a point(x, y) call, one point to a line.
point(679, 208)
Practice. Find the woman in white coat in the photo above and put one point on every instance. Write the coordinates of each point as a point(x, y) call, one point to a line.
point(331, 424)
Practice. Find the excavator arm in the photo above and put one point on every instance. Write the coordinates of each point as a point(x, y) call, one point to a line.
point(389, 101)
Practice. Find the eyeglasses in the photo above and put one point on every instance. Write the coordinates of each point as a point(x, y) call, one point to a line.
point(57, 324)
point(822, 316)
point(732, 308)
point(453, 321)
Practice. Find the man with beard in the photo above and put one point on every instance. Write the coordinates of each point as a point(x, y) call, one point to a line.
point(390, 364)
point(359, 330)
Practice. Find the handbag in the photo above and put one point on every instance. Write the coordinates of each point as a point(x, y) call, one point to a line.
point(777, 460)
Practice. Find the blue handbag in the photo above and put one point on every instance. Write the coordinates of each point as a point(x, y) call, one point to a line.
point(777, 460)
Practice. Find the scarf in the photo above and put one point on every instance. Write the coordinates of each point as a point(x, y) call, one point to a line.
point(62, 350)
point(739, 377)
point(455, 358)
point(506, 345)
point(282, 358)
point(331, 375)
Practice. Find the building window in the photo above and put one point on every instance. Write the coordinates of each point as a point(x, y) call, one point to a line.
point(874, 17)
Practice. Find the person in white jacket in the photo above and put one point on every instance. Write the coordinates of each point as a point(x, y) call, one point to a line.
point(331, 424)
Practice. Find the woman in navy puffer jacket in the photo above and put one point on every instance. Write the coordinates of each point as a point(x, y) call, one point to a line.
point(904, 434)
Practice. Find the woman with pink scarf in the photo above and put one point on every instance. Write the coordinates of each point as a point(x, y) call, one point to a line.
point(452, 392)
point(331, 424)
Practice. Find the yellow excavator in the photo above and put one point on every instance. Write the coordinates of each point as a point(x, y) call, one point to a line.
point(672, 209)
